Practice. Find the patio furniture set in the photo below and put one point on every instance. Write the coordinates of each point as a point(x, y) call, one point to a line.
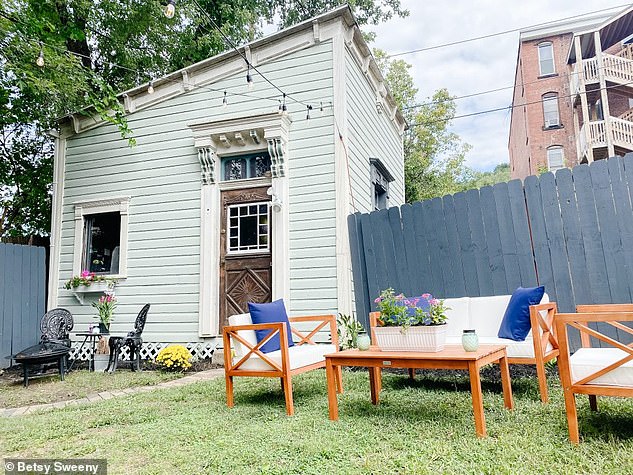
point(591, 370)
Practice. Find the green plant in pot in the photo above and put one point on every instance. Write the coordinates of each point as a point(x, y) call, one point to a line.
point(105, 306)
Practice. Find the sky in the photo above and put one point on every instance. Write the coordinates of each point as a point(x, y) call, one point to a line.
point(474, 66)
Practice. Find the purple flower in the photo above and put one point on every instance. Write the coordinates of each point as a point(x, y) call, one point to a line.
point(400, 297)
point(434, 301)
point(378, 300)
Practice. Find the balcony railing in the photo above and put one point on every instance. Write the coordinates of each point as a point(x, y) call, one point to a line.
point(616, 69)
point(621, 134)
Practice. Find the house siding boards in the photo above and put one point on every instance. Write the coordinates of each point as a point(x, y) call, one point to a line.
point(161, 174)
point(371, 135)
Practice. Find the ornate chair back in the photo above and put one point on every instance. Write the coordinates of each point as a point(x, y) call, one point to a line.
point(139, 324)
point(55, 326)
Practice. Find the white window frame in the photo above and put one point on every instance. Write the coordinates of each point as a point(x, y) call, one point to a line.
point(550, 151)
point(541, 47)
point(87, 208)
point(550, 98)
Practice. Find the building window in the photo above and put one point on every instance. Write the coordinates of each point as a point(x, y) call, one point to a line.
point(101, 237)
point(248, 228)
point(555, 158)
point(546, 58)
point(242, 167)
point(550, 110)
point(380, 179)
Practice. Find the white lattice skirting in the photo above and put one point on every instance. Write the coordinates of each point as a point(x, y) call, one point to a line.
point(199, 350)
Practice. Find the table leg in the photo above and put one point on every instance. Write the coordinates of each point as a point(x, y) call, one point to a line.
point(478, 403)
point(330, 371)
point(25, 368)
point(91, 364)
point(374, 384)
point(508, 401)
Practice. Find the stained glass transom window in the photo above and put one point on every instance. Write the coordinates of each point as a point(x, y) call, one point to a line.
point(241, 167)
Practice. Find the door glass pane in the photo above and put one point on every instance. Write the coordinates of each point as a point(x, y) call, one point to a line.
point(249, 232)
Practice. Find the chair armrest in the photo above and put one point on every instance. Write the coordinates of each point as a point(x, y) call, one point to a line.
point(231, 331)
point(543, 331)
point(324, 319)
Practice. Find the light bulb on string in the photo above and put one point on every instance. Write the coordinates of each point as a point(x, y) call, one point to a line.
point(309, 108)
point(150, 87)
point(224, 101)
point(284, 108)
point(170, 9)
point(321, 109)
point(280, 109)
point(249, 78)
point(40, 58)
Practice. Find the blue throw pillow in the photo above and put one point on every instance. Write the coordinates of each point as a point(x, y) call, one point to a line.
point(516, 321)
point(270, 313)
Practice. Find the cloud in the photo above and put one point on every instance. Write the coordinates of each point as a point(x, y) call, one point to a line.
point(473, 66)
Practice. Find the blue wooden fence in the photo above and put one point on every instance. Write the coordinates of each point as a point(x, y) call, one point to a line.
point(571, 232)
point(22, 297)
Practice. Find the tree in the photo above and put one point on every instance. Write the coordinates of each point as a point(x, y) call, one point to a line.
point(91, 50)
point(477, 179)
point(433, 156)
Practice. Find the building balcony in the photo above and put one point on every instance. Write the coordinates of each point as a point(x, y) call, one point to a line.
point(595, 134)
point(617, 68)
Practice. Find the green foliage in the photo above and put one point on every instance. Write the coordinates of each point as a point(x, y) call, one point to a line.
point(397, 310)
point(433, 156)
point(105, 307)
point(475, 179)
point(348, 329)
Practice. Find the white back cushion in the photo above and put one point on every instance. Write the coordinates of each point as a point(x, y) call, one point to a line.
point(486, 313)
point(457, 316)
point(248, 335)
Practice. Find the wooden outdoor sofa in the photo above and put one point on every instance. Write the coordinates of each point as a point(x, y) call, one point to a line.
point(595, 371)
point(243, 355)
point(484, 314)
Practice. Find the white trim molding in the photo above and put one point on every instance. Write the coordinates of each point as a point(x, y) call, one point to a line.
point(106, 205)
point(226, 137)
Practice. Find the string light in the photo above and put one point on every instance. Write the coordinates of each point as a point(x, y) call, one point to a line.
point(284, 108)
point(321, 109)
point(40, 59)
point(170, 9)
point(150, 87)
point(225, 103)
point(308, 108)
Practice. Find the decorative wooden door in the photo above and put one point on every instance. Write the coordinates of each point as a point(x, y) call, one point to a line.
point(245, 251)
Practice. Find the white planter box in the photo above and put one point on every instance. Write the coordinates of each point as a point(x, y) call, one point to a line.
point(423, 338)
point(94, 288)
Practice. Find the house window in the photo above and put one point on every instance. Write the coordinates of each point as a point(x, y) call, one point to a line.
point(102, 243)
point(242, 167)
point(555, 158)
point(550, 110)
point(380, 179)
point(101, 237)
point(546, 58)
point(248, 228)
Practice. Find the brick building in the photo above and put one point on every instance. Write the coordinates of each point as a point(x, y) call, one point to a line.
point(573, 93)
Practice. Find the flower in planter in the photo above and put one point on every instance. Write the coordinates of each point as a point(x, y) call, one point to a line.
point(105, 306)
point(87, 278)
point(397, 310)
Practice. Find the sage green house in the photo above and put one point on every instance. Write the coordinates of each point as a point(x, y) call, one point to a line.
point(231, 194)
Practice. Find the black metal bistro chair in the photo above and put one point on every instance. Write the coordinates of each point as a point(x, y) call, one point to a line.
point(54, 345)
point(132, 341)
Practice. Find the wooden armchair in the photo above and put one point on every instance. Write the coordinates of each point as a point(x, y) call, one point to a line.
point(247, 359)
point(605, 371)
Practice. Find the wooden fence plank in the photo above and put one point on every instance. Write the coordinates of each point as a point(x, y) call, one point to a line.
point(424, 276)
point(556, 241)
point(436, 286)
point(624, 216)
point(596, 267)
point(506, 237)
point(539, 236)
point(610, 232)
point(403, 282)
point(493, 241)
point(573, 237)
point(6, 319)
point(476, 223)
point(437, 215)
point(454, 254)
point(469, 264)
point(414, 269)
point(369, 250)
point(359, 269)
point(520, 220)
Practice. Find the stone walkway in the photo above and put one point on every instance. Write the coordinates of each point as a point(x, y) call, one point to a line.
point(105, 395)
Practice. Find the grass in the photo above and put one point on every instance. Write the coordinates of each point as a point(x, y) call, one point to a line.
point(424, 427)
point(77, 384)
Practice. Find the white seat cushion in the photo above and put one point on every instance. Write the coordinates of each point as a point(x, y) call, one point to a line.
point(587, 361)
point(299, 356)
point(457, 316)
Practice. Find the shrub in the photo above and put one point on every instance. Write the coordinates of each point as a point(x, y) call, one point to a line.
point(174, 358)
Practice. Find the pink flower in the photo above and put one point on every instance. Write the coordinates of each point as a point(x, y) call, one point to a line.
point(434, 301)
point(427, 296)
point(400, 297)
point(85, 274)
point(378, 300)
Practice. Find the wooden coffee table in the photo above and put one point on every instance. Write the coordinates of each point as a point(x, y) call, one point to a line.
point(452, 357)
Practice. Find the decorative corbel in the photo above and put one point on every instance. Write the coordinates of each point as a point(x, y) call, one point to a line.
point(225, 141)
point(239, 138)
point(276, 149)
point(207, 158)
point(254, 136)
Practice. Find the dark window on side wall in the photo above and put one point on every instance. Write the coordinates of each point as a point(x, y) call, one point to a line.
point(380, 179)
point(102, 239)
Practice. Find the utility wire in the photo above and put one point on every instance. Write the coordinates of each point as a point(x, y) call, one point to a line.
point(492, 35)
point(510, 107)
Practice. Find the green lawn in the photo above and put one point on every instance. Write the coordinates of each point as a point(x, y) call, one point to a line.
point(421, 427)
point(76, 385)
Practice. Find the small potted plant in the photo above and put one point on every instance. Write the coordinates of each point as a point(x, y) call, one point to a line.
point(410, 324)
point(105, 306)
point(89, 283)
